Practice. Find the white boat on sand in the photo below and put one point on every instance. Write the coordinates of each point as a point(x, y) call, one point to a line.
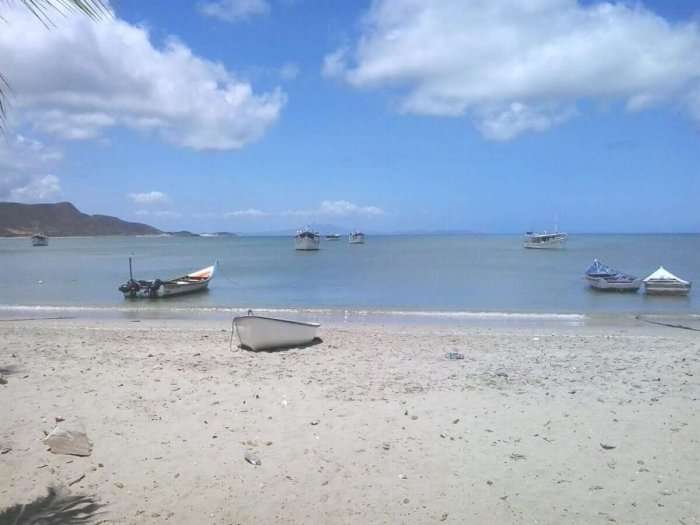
point(307, 240)
point(663, 282)
point(544, 240)
point(603, 277)
point(266, 333)
point(155, 288)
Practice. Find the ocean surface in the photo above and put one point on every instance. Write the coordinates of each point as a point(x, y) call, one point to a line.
point(419, 275)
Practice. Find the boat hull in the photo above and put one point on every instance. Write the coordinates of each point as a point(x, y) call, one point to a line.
point(666, 288)
point(601, 283)
point(191, 283)
point(307, 243)
point(266, 333)
point(357, 239)
point(40, 241)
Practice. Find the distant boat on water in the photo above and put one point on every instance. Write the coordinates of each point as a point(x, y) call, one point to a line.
point(663, 282)
point(603, 277)
point(307, 240)
point(153, 289)
point(544, 240)
point(333, 237)
point(356, 238)
point(40, 239)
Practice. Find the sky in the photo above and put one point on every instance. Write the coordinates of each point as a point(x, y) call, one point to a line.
point(494, 116)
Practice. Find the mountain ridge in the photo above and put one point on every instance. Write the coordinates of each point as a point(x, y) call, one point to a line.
point(63, 219)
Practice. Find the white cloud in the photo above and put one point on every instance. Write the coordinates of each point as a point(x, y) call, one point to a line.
point(150, 197)
point(326, 209)
point(234, 10)
point(24, 167)
point(347, 208)
point(250, 213)
point(515, 66)
point(82, 77)
point(37, 189)
point(289, 71)
point(165, 214)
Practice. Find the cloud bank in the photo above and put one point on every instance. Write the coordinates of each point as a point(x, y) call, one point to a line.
point(24, 167)
point(327, 208)
point(80, 78)
point(514, 66)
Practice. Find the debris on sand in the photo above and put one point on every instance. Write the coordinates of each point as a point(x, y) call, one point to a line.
point(454, 355)
point(315, 422)
point(607, 447)
point(70, 441)
point(253, 459)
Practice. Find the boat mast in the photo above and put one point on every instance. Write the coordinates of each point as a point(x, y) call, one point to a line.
point(131, 272)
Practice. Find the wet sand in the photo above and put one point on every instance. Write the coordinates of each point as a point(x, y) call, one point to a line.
point(372, 425)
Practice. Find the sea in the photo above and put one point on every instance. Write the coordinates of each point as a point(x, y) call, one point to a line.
point(410, 275)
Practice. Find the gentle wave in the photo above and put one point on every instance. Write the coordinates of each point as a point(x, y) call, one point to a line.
point(342, 312)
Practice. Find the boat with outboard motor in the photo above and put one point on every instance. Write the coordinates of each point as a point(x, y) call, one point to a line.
point(156, 288)
point(663, 282)
point(266, 333)
point(603, 277)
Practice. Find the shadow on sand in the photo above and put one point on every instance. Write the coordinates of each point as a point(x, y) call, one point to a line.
point(316, 341)
point(57, 507)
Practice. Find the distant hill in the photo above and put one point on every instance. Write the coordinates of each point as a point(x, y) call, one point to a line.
point(63, 219)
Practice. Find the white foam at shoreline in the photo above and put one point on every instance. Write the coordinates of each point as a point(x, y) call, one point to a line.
point(341, 312)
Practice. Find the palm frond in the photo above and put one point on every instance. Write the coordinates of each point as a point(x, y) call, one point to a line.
point(56, 508)
point(42, 10)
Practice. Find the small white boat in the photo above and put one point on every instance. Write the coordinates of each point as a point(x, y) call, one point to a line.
point(356, 238)
point(307, 240)
point(663, 282)
point(40, 239)
point(603, 277)
point(544, 240)
point(153, 289)
point(265, 333)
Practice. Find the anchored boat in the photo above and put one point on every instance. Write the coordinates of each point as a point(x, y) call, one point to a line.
point(603, 277)
point(544, 240)
point(663, 282)
point(156, 288)
point(307, 240)
point(265, 333)
point(333, 237)
point(356, 238)
point(40, 239)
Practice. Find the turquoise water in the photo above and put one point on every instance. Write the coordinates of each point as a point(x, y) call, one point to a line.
point(451, 273)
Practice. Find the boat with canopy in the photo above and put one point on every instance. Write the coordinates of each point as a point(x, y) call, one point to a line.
point(603, 277)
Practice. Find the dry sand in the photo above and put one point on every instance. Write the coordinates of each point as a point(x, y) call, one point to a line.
point(373, 425)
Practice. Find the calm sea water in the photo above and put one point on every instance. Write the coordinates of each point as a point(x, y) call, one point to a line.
point(459, 273)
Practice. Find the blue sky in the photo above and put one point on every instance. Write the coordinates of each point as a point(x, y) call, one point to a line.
point(365, 115)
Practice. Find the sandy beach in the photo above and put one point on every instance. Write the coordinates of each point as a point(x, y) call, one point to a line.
point(372, 425)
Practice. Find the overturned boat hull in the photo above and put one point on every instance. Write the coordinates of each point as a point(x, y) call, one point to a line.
point(266, 333)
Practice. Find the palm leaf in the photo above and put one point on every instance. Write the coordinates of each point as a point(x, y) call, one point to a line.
point(56, 508)
point(43, 10)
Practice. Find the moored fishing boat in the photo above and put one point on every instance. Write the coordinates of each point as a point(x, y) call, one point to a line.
point(40, 239)
point(544, 240)
point(663, 282)
point(156, 288)
point(356, 238)
point(603, 277)
point(265, 333)
point(307, 240)
point(333, 237)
